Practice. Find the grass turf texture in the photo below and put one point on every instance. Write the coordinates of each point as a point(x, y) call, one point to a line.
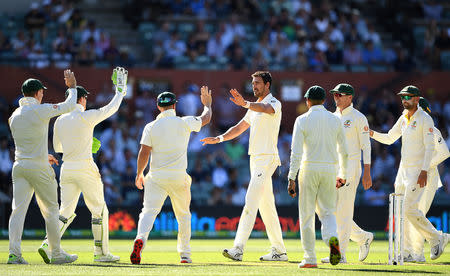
point(161, 258)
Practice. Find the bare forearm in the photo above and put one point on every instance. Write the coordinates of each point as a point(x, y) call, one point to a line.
point(261, 107)
point(142, 160)
point(235, 131)
point(206, 115)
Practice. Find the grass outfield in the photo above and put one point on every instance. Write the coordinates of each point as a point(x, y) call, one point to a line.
point(161, 258)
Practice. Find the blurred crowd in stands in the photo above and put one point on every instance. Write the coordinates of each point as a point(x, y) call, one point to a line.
point(220, 173)
point(294, 35)
point(299, 35)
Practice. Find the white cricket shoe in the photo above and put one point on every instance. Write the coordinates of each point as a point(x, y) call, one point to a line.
point(234, 253)
point(365, 247)
point(326, 260)
point(44, 252)
point(419, 258)
point(108, 258)
point(63, 258)
point(407, 258)
point(274, 255)
point(13, 259)
point(303, 264)
point(437, 250)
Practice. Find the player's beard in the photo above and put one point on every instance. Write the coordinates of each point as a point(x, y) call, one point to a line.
point(408, 106)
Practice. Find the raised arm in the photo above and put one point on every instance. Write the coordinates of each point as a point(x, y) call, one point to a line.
point(119, 79)
point(51, 110)
point(258, 107)
point(206, 99)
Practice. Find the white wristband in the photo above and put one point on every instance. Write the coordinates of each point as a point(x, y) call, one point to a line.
point(220, 138)
point(247, 105)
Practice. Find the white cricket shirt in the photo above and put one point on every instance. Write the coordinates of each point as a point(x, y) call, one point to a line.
point(440, 149)
point(264, 128)
point(72, 133)
point(29, 125)
point(417, 138)
point(168, 135)
point(318, 137)
point(356, 130)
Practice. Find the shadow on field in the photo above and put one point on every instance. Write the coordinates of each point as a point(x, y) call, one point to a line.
point(150, 265)
point(343, 269)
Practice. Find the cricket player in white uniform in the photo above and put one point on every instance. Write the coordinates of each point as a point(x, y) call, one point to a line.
point(31, 171)
point(356, 130)
point(318, 145)
point(263, 117)
point(414, 242)
point(167, 138)
point(416, 128)
point(73, 136)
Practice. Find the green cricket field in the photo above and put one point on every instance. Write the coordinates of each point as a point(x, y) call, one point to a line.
point(160, 257)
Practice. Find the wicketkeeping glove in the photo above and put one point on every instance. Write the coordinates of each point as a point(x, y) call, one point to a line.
point(96, 144)
point(119, 78)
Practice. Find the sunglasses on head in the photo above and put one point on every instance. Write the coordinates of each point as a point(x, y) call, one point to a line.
point(340, 94)
point(406, 98)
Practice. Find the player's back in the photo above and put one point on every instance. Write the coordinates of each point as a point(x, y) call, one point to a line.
point(168, 136)
point(73, 136)
point(320, 130)
point(30, 133)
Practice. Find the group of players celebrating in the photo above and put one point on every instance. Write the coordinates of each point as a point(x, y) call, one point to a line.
point(325, 162)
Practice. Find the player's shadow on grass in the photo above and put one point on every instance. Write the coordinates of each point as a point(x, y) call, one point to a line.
point(150, 265)
point(343, 269)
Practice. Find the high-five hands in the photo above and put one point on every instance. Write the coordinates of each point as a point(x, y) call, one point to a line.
point(119, 79)
point(340, 182)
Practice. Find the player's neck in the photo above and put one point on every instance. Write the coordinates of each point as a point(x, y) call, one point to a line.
point(343, 107)
point(263, 96)
point(411, 112)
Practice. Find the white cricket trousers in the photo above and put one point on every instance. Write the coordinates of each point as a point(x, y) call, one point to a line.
point(260, 196)
point(414, 242)
point(157, 186)
point(317, 192)
point(407, 185)
point(84, 177)
point(347, 228)
point(29, 177)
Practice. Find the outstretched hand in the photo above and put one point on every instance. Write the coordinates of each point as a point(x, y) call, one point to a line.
point(237, 98)
point(210, 140)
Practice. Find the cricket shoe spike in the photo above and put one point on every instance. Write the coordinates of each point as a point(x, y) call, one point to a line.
point(135, 256)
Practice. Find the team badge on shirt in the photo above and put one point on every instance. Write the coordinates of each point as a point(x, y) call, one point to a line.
point(414, 124)
point(347, 123)
point(431, 130)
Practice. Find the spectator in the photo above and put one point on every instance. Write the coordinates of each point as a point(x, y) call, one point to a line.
point(76, 21)
point(34, 19)
point(61, 58)
point(238, 60)
point(383, 165)
point(352, 55)
point(432, 9)
point(175, 47)
point(219, 175)
point(90, 32)
point(38, 59)
point(372, 55)
point(372, 35)
point(5, 43)
point(189, 103)
point(333, 54)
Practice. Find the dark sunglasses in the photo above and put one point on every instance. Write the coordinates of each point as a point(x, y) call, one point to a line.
point(406, 98)
point(340, 94)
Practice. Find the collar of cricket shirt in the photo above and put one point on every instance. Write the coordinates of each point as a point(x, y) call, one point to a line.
point(317, 107)
point(266, 98)
point(28, 101)
point(348, 109)
point(405, 113)
point(167, 113)
point(79, 107)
